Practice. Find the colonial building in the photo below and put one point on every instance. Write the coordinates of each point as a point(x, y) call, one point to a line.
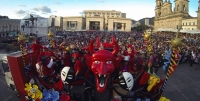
point(198, 16)
point(190, 23)
point(179, 18)
point(98, 20)
point(166, 17)
point(9, 27)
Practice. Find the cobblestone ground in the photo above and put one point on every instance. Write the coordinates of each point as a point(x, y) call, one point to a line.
point(183, 85)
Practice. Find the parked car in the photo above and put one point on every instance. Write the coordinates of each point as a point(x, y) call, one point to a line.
point(8, 75)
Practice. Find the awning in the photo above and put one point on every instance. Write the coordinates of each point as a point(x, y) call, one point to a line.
point(12, 34)
point(185, 31)
point(195, 31)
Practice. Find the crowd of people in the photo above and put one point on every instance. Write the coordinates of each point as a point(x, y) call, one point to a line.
point(133, 42)
point(135, 58)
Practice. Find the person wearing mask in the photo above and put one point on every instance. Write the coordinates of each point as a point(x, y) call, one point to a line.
point(36, 46)
point(156, 65)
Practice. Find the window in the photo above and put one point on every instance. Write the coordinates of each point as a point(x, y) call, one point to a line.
point(72, 25)
point(90, 13)
point(186, 23)
point(103, 13)
point(184, 8)
point(108, 16)
point(178, 8)
point(183, 24)
point(94, 13)
point(159, 14)
point(86, 13)
point(192, 28)
point(98, 13)
point(112, 16)
point(189, 23)
point(118, 14)
point(108, 13)
point(193, 23)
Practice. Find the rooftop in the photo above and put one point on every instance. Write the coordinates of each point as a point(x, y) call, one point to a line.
point(101, 11)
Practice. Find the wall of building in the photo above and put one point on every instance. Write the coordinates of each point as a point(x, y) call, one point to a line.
point(168, 23)
point(147, 22)
point(9, 25)
point(189, 23)
point(166, 18)
point(40, 27)
point(106, 14)
point(100, 19)
point(78, 19)
point(126, 21)
point(123, 15)
point(198, 18)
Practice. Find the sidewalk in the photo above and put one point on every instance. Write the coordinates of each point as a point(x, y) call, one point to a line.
point(183, 84)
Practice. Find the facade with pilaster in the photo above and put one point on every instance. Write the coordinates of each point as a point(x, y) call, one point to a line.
point(73, 23)
point(103, 20)
point(9, 26)
point(165, 17)
point(179, 17)
point(198, 17)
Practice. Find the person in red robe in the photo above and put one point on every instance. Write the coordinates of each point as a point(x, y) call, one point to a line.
point(130, 51)
point(66, 58)
point(46, 59)
point(125, 66)
point(36, 46)
point(78, 66)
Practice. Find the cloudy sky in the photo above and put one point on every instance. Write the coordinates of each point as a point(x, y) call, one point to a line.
point(135, 9)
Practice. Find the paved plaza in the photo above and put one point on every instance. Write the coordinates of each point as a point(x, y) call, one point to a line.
point(183, 85)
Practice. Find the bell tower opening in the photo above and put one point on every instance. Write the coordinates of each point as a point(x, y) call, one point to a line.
point(181, 6)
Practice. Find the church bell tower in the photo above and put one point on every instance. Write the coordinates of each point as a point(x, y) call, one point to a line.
point(158, 8)
point(181, 6)
point(198, 16)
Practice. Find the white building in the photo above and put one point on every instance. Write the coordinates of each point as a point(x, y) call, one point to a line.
point(147, 22)
point(34, 24)
point(56, 22)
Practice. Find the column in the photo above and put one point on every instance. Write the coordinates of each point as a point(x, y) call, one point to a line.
point(115, 26)
point(122, 27)
point(69, 26)
point(75, 25)
point(101, 25)
point(87, 24)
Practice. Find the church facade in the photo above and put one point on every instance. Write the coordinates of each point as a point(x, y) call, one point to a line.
point(166, 17)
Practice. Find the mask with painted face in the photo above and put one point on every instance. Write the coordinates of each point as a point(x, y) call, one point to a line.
point(67, 75)
point(126, 81)
point(102, 65)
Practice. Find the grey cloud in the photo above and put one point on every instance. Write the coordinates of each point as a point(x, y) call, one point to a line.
point(22, 5)
point(45, 9)
point(35, 9)
point(21, 12)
